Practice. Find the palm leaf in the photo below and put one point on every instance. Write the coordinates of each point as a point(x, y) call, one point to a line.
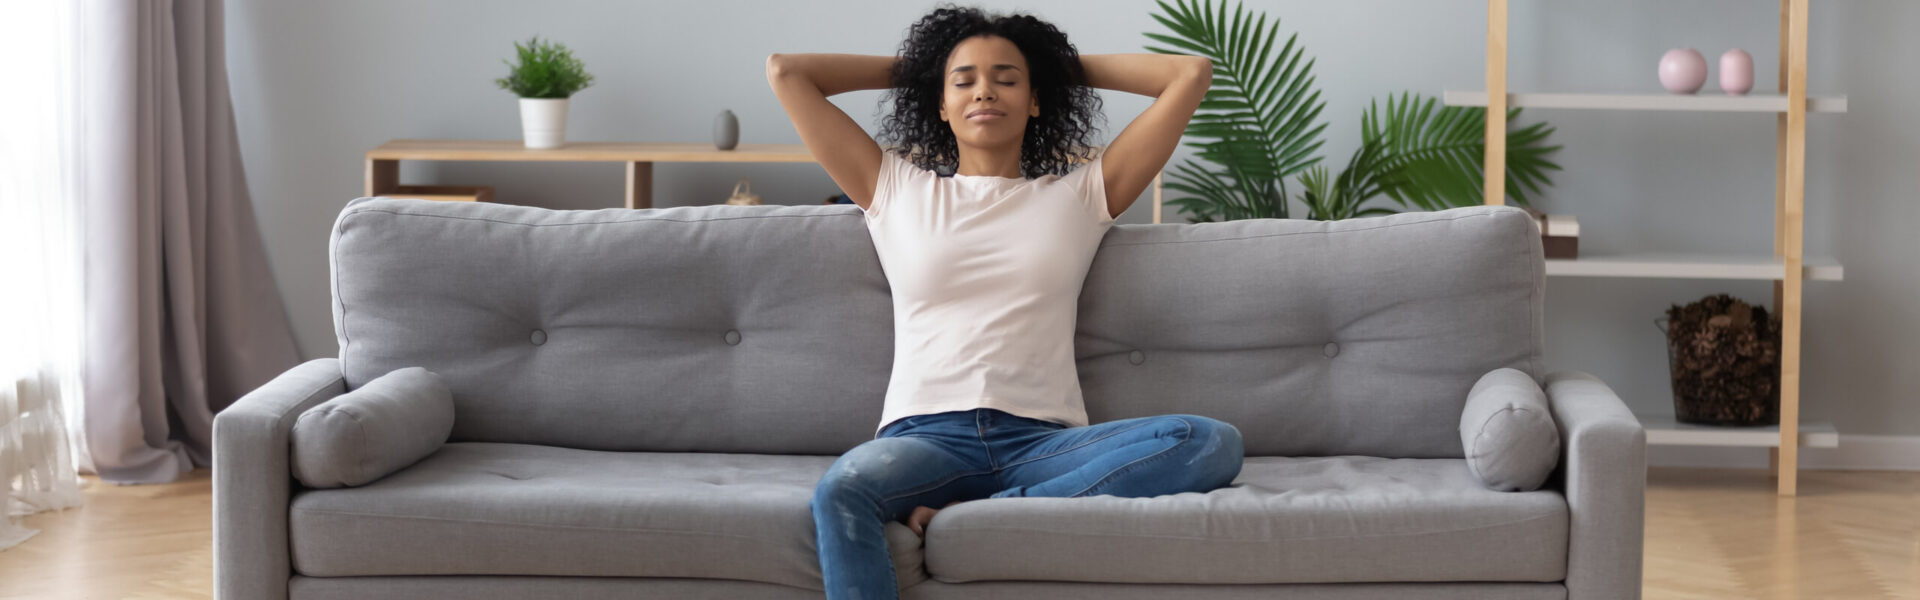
point(1441, 153)
point(1257, 121)
point(1366, 177)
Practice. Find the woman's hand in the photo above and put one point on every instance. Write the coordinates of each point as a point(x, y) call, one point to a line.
point(921, 517)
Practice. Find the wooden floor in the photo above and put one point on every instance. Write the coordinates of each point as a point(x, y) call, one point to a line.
point(1715, 533)
point(1710, 534)
point(125, 541)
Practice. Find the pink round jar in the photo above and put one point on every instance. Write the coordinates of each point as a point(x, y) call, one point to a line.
point(1736, 72)
point(1683, 70)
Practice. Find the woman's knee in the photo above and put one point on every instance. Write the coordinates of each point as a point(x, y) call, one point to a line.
point(867, 471)
point(835, 492)
point(1211, 432)
point(851, 477)
point(1217, 446)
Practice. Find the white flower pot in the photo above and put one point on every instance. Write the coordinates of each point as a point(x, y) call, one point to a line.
point(543, 121)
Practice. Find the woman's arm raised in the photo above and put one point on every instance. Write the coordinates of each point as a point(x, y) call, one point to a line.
point(803, 82)
point(1177, 83)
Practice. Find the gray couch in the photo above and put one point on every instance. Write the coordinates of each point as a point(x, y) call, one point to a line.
point(645, 400)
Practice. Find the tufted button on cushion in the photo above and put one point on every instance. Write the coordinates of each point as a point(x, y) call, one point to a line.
point(1332, 349)
point(733, 337)
point(1136, 357)
point(539, 337)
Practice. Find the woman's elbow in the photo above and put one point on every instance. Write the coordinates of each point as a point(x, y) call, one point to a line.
point(1200, 66)
point(776, 66)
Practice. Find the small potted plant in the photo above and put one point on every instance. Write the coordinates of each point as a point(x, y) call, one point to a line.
point(547, 75)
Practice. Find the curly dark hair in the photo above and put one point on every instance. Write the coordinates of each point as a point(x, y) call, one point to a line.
point(1052, 142)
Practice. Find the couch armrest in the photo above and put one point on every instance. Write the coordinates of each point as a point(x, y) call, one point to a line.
point(252, 483)
point(1603, 471)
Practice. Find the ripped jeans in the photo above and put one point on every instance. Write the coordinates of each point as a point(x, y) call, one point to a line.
point(932, 460)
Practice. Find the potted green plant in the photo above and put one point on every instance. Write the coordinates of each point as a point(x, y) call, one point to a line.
point(547, 75)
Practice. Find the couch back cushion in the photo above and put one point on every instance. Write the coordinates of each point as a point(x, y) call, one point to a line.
point(769, 329)
point(709, 328)
point(1314, 338)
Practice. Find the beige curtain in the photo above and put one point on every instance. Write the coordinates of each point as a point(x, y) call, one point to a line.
point(182, 316)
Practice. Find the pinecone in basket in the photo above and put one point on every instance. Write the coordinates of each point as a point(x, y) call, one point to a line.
point(1725, 361)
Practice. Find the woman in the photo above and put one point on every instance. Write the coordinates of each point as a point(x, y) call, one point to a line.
point(985, 267)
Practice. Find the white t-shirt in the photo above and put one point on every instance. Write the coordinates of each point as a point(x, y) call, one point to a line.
point(986, 274)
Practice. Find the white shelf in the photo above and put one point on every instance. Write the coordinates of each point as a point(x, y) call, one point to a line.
point(1662, 430)
point(1703, 101)
point(1691, 266)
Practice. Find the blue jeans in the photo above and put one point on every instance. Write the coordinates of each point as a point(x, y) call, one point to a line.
point(932, 460)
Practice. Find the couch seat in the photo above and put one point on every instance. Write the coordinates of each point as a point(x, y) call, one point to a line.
point(514, 509)
point(1284, 520)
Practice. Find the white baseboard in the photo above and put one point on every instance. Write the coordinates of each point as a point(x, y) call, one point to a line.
point(1856, 453)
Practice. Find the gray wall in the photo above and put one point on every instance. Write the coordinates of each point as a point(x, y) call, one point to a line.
point(318, 83)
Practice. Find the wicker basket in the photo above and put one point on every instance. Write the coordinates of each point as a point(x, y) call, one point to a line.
point(743, 195)
point(1723, 362)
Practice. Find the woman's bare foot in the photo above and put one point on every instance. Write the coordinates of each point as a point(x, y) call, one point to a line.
point(921, 516)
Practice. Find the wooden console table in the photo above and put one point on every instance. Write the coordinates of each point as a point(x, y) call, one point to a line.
point(383, 162)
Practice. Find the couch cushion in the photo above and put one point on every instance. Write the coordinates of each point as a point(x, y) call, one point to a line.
point(389, 423)
point(757, 329)
point(508, 509)
point(1284, 520)
point(769, 329)
point(1511, 440)
point(1315, 338)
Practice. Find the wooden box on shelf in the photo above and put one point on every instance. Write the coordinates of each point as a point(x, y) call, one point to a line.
point(445, 193)
point(1559, 234)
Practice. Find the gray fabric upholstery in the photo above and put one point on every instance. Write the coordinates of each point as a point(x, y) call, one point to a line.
point(1314, 338)
point(578, 513)
point(769, 329)
point(1033, 590)
point(1284, 520)
point(1604, 474)
point(586, 513)
point(1329, 591)
point(645, 399)
point(608, 329)
point(539, 588)
point(363, 435)
point(252, 482)
point(573, 588)
point(1508, 433)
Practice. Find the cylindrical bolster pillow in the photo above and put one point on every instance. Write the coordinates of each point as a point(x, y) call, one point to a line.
point(365, 434)
point(1507, 432)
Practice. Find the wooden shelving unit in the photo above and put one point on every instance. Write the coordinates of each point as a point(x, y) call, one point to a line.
point(1787, 268)
point(1762, 103)
point(383, 162)
point(1690, 266)
point(1663, 430)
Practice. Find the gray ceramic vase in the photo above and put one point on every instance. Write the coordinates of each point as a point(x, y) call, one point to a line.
point(726, 130)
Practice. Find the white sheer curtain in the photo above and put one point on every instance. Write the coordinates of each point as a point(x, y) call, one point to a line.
point(40, 301)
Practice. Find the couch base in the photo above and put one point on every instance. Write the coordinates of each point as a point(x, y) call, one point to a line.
point(481, 588)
